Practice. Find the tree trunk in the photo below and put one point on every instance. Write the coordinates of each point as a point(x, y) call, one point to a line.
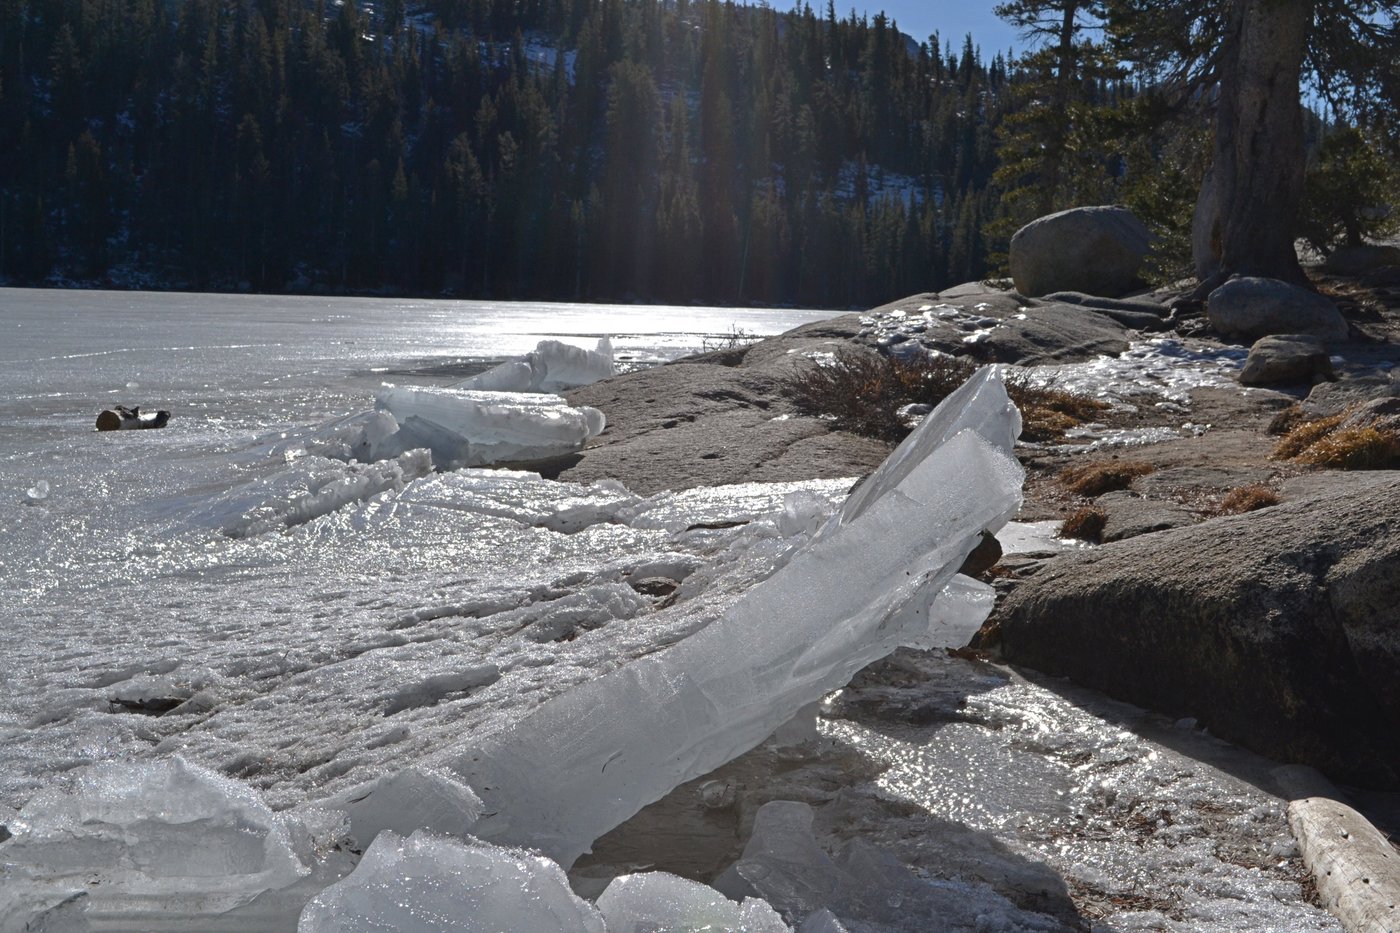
point(1259, 158)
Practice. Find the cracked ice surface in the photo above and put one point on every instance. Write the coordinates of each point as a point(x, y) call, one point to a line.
point(574, 768)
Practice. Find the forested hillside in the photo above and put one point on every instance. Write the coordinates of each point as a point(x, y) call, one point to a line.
point(680, 151)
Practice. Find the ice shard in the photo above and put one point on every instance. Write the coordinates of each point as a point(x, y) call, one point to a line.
point(551, 367)
point(591, 757)
point(656, 900)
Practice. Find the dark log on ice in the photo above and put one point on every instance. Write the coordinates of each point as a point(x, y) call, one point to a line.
point(121, 418)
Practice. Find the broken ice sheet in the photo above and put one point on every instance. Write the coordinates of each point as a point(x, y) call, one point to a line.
point(593, 756)
point(474, 428)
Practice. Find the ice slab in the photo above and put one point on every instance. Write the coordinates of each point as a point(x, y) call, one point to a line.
point(407, 801)
point(653, 901)
point(474, 428)
point(593, 756)
point(143, 839)
point(424, 884)
point(551, 367)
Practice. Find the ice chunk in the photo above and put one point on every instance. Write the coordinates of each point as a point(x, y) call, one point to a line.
point(474, 428)
point(567, 773)
point(551, 367)
point(406, 801)
point(424, 883)
point(512, 376)
point(566, 367)
point(659, 901)
point(955, 616)
point(157, 836)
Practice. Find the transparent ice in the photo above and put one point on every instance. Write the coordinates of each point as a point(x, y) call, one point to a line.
point(653, 901)
point(569, 771)
point(425, 884)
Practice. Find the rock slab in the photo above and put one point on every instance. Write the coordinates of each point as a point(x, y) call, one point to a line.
point(1278, 630)
point(1095, 250)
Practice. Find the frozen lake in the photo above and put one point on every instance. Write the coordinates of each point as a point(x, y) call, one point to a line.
point(110, 556)
point(169, 592)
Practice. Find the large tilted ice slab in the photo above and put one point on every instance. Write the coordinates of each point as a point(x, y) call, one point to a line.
point(473, 428)
point(590, 758)
point(551, 367)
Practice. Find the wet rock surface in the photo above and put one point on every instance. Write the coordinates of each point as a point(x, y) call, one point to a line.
point(1277, 629)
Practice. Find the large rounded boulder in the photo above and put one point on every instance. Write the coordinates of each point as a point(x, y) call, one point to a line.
point(1094, 250)
point(1278, 630)
point(1249, 307)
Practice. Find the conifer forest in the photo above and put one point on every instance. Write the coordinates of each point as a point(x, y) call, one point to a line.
point(546, 149)
point(677, 151)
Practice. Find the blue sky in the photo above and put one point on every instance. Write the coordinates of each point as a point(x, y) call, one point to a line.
point(952, 20)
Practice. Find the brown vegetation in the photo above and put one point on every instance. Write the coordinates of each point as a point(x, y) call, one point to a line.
point(1325, 443)
point(1095, 479)
point(863, 392)
point(1287, 420)
point(1087, 524)
point(1362, 448)
point(1304, 435)
point(1247, 499)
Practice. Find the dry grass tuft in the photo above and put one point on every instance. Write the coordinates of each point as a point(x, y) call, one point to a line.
point(1247, 499)
point(1095, 479)
point(1303, 436)
point(862, 392)
point(1047, 412)
point(1353, 449)
point(1286, 420)
point(1087, 524)
point(1325, 443)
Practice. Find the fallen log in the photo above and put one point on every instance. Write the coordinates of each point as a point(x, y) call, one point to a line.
point(121, 418)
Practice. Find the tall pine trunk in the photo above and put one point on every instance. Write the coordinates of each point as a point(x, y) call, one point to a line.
point(1257, 176)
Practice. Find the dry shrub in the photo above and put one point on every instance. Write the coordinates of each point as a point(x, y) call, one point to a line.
point(1353, 449)
point(1286, 420)
point(1325, 443)
point(1047, 412)
point(1087, 524)
point(862, 392)
point(1095, 479)
point(1305, 435)
point(1247, 499)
